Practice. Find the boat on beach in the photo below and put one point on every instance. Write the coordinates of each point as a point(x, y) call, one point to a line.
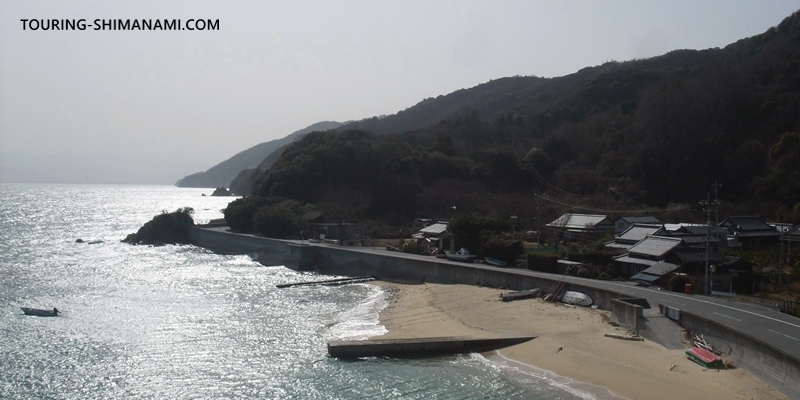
point(577, 298)
point(461, 255)
point(40, 313)
point(519, 295)
point(705, 358)
point(494, 261)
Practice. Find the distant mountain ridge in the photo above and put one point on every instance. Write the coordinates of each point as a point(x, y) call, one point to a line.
point(660, 130)
point(223, 173)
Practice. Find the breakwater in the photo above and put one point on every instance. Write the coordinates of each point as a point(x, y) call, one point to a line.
point(770, 364)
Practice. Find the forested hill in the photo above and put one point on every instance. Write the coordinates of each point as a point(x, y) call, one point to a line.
point(620, 136)
point(223, 173)
point(513, 93)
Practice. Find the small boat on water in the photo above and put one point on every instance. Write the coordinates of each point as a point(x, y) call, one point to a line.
point(577, 298)
point(461, 255)
point(40, 313)
point(494, 261)
point(519, 295)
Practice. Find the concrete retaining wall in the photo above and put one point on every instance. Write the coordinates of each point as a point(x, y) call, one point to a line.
point(764, 361)
point(627, 314)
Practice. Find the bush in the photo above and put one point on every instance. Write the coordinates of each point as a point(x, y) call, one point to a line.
point(278, 221)
point(412, 248)
point(240, 212)
point(472, 231)
point(503, 246)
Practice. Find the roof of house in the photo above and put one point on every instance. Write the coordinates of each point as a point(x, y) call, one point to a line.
point(645, 277)
point(639, 219)
point(435, 229)
point(695, 255)
point(636, 233)
point(746, 223)
point(661, 268)
point(614, 245)
point(580, 221)
point(654, 246)
point(625, 258)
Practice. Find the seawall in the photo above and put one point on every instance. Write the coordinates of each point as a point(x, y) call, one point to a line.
point(764, 361)
point(769, 364)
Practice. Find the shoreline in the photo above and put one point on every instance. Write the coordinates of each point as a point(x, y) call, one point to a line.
point(590, 363)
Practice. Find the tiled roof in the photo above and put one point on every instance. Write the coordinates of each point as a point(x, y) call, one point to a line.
point(637, 232)
point(625, 258)
point(694, 255)
point(773, 233)
point(640, 219)
point(654, 246)
point(622, 246)
point(746, 223)
point(661, 268)
point(645, 277)
point(579, 221)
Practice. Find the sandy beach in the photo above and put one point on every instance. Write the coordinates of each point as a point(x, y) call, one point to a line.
point(628, 369)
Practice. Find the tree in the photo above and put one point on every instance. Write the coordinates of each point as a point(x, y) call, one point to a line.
point(239, 213)
point(278, 221)
point(475, 231)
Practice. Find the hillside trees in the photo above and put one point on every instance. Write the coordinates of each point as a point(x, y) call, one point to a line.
point(486, 236)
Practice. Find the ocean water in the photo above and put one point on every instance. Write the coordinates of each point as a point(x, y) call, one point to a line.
point(181, 322)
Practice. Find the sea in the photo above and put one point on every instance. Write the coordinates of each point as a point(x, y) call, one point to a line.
point(181, 322)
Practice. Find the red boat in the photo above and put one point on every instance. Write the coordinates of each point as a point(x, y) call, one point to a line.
point(705, 358)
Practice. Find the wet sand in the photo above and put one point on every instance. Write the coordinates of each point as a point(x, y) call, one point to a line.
point(569, 343)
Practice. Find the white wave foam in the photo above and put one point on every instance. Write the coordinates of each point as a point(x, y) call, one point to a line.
point(361, 322)
point(530, 375)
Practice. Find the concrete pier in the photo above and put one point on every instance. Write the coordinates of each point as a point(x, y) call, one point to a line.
point(420, 347)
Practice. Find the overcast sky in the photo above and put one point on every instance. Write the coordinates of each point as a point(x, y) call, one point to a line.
point(182, 101)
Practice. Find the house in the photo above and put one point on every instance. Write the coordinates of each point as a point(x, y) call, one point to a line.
point(655, 259)
point(646, 253)
point(751, 230)
point(623, 223)
point(636, 232)
point(345, 232)
point(656, 274)
point(321, 229)
point(790, 233)
point(434, 235)
point(582, 227)
point(696, 235)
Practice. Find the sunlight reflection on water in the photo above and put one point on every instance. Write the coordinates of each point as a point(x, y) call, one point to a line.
point(180, 321)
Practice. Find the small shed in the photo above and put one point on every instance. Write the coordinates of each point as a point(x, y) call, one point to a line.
point(434, 235)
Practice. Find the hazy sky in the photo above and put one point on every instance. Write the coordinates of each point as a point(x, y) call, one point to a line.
point(182, 101)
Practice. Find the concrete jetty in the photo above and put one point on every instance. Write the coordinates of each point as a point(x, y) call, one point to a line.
point(420, 347)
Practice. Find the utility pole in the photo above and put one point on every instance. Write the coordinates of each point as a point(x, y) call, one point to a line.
point(708, 203)
point(538, 220)
point(716, 186)
point(707, 283)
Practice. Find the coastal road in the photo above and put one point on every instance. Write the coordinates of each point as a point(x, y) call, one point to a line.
point(767, 325)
